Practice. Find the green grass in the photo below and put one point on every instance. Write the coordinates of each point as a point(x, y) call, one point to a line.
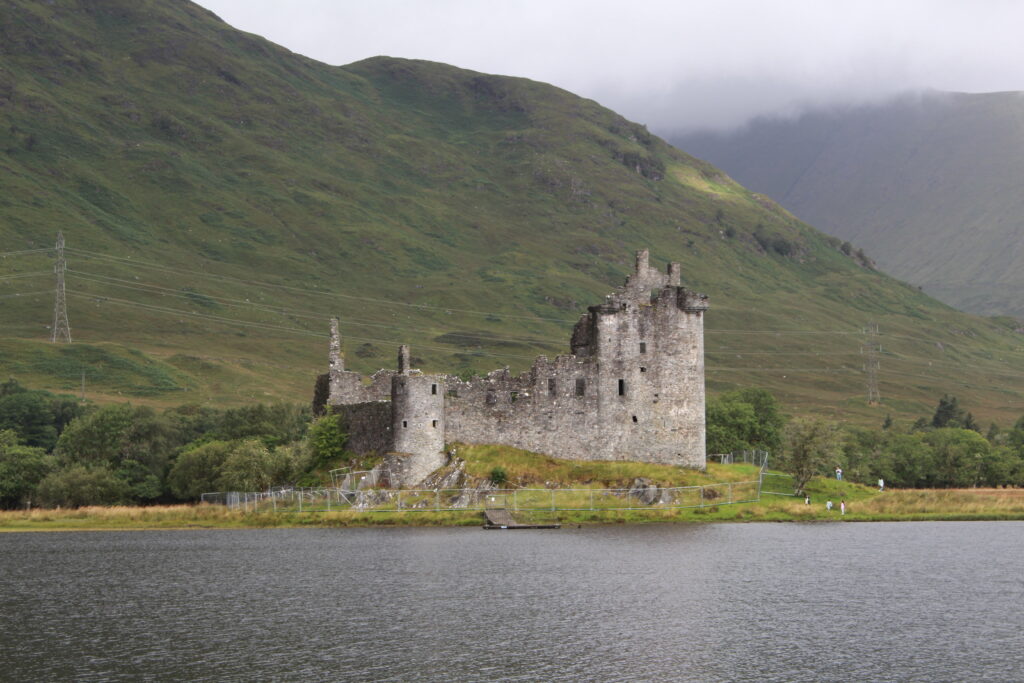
point(471, 216)
point(533, 470)
point(864, 505)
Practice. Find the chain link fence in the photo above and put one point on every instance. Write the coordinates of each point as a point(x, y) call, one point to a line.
point(515, 500)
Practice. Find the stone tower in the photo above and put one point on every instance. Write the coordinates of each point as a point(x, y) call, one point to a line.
point(417, 413)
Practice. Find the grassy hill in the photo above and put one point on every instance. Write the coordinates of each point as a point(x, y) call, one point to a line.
point(929, 185)
point(221, 197)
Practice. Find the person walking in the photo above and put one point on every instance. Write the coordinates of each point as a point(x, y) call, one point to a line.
point(828, 505)
point(842, 507)
point(807, 498)
point(839, 474)
point(881, 484)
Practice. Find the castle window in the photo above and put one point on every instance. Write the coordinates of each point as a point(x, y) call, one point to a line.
point(643, 369)
point(513, 396)
point(643, 347)
point(433, 389)
point(581, 386)
point(551, 386)
point(433, 423)
point(622, 387)
point(491, 398)
point(634, 419)
point(405, 423)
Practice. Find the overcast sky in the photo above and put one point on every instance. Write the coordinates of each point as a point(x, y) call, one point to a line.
point(678, 64)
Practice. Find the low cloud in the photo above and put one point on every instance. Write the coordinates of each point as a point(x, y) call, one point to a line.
point(672, 65)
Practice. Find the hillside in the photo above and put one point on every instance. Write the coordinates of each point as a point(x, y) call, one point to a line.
point(221, 197)
point(928, 185)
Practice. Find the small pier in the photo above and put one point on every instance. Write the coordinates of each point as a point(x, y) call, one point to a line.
point(500, 518)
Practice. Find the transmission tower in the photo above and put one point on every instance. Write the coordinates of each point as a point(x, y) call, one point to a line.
point(870, 350)
point(61, 327)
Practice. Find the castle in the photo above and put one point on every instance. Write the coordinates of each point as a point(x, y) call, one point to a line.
point(632, 389)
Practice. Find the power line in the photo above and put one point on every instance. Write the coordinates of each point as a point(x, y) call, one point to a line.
point(21, 275)
point(5, 254)
point(304, 290)
point(293, 330)
point(17, 294)
point(295, 312)
point(192, 314)
point(280, 310)
point(871, 348)
point(149, 288)
point(61, 327)
point(239, 303)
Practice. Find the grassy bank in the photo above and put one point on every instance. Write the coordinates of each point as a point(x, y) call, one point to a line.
point(863, 504)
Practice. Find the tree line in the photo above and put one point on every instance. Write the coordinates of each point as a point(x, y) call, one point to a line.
point(58, 451)
point(945, 450)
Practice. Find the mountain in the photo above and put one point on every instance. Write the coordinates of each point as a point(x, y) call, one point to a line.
point(221, 197)
point(929, 185)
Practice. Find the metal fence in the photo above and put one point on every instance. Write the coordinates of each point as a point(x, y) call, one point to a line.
point(347, 479)
point(777, 484)
point(515, 500)
point(758, 458)
point(357, 491)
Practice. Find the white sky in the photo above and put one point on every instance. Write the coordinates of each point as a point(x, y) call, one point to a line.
point(673, 65)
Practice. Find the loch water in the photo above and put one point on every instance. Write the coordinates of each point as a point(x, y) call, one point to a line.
point(923, 601)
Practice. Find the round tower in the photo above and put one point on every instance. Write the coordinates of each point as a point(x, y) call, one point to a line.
point(417, 409)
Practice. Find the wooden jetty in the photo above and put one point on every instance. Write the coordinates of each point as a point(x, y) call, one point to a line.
point(500, 518)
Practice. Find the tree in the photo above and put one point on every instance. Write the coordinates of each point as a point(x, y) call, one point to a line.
point(277, 424)
point(993, 434)
point(193, 421)
point(1015, 439)
point(948, 413)
point(79, 485)
point(250, 466)
point(812, 446)
point(743, 419)
point(999, 467)
point(958, 456)
point(197, 470)
point(30, 414)
point(96, 437)
point(327, 439)
point(37, 416)
point(729, 425)
point(769, 421)
point(21, 470)
point(906, 460)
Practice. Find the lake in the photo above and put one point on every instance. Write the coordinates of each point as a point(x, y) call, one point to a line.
point(923, 601)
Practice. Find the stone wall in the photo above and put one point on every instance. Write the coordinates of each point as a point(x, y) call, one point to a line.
point(368, 426)
point(550, 409)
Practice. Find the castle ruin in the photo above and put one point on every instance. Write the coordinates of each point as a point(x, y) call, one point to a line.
point(631, 389)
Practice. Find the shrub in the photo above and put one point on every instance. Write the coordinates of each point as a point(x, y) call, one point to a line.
point(499, 476)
